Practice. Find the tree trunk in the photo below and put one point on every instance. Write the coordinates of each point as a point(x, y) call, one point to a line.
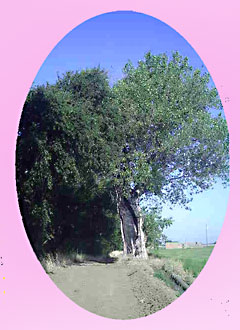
point(131, 226)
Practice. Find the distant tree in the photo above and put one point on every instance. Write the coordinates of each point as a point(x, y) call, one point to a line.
point(153, 227)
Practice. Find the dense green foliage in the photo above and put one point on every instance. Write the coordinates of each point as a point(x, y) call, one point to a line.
point(173, 140)
point(80, 140)
point(60, 154)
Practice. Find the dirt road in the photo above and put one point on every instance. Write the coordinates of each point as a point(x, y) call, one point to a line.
point(118, 291)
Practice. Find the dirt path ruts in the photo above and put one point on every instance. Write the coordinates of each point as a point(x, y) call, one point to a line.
point(101, 289)
point(118, 291)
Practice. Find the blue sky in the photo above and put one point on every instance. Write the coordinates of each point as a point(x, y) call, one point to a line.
point(208, 208)
point(110, 40)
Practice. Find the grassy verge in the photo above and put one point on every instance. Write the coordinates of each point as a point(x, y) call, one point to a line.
point(193, 260)
point(52, 261)
point(164, 276)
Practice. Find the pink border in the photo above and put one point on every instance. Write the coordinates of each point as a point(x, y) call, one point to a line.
point(29, 31)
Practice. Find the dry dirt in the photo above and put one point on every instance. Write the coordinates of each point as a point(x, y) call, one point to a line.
point(121, 290)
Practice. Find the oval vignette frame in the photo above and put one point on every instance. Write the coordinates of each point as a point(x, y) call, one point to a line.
point(37, 302)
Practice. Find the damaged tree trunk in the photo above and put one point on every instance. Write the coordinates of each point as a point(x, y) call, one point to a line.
point(131, 226)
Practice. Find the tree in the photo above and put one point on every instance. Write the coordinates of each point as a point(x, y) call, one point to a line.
point(154, 224)
point(154, 132)
point(60, 151)
point(153, 227)
point(173, 144)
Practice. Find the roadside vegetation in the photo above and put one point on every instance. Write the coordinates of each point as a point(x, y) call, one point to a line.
point(52, 262)
point(165, 277)
point(193, 260)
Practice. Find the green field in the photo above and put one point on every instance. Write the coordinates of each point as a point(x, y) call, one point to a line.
point(192, 259)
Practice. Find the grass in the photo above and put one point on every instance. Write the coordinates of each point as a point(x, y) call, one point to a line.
point(193, 260)
point(164, 276)
point(52, 261)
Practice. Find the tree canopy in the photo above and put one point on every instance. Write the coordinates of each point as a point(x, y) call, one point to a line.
point(159, 130)
point(174, 142)
point(60, 156)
